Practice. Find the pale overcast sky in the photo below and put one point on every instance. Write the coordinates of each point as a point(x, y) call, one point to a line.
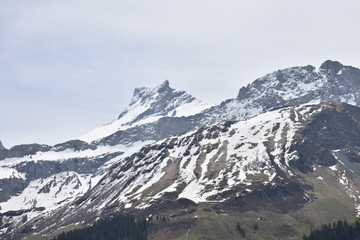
point(68, 66)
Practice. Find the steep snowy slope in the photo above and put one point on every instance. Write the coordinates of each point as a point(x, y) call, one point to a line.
point(277, 152)
point(205, 164)
point(45, 180)
point(149, 105)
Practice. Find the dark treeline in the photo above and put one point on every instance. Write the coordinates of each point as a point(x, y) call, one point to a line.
point(115, 228)
point(340, 230)
point(241, 230)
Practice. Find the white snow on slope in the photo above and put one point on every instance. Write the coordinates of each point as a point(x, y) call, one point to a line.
point(6, 172)
point(240, 156)
point(189, 109)
point(246, 153)
point(6, 164)
point(51, 192)
point(59, 189)
point(144, 109)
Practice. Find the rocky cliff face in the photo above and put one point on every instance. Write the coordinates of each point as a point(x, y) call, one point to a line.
point(160, 101)
point(22, 150)
point(297, 85)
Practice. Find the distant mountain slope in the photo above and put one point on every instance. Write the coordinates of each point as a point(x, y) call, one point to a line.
point(274, 153)
point(332, 82)
point(210, 163)
point(297, 85)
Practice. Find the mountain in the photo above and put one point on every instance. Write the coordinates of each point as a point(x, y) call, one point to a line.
point(149, 105)
point(297, 85)
point(279, 161)
point(40, 178)
point(1, 146)
point(144, 119)
point(87, 160)
point(36, 179)
point(265, 150)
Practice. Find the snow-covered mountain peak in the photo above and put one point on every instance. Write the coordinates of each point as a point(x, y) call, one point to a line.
point(333, 82)
point(297, 85)
point(165, 85)
point(149, 105)
point(144, 93)
point(287, 80)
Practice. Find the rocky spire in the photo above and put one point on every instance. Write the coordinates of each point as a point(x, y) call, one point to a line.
point(334, 66)
point(157, 101)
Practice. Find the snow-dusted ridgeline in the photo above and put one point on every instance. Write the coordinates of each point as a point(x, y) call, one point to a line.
point(149, 105)
point(203, 164)
point(61, 187)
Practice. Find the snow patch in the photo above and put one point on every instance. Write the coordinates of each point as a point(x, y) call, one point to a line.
point(6, 172)
point(51, 192)
point(333, 168)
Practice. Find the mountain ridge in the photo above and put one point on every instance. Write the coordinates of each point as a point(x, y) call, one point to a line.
point(149, 105)
point(233, 164)
point(157, 116)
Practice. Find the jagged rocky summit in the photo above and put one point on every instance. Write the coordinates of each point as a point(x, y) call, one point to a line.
point(332, 82)
point(149, 106)
point(161, 112)
point(297, 85)
point(37, 179)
